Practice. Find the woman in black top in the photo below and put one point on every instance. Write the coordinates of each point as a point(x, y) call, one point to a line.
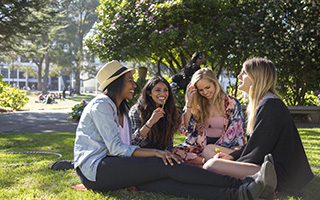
point(271, 130)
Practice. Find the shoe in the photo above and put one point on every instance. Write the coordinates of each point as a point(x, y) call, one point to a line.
point(63, 165)
point(250, 191)
point(269, 158)
point(269, 177)
point(261, 185)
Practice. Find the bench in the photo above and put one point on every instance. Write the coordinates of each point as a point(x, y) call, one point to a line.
point(301, 114)
point(305, 114)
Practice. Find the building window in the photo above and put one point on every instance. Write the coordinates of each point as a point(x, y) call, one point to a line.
point(21, 74)
point(4, 73)
point(13, 74)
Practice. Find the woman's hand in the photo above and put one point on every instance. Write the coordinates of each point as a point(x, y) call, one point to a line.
point(156, 115)
point(190, 92)
point(223, 156)
point(167, 156)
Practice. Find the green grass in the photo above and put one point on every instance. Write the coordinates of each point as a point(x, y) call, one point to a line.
point(37, 181)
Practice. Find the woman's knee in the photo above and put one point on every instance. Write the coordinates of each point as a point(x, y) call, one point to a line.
point(210, 164)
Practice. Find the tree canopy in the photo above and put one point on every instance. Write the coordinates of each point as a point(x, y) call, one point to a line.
point(230, 32)
point(22, 18)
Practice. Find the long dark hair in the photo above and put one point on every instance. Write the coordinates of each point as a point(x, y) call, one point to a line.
point(114, 89)
point(196, 55)
point(162, 132)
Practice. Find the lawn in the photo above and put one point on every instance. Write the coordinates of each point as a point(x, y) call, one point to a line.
point(37, 181)
point(59, 104)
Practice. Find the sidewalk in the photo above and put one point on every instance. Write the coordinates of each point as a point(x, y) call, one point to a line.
point(49, 121)
point(42, 121)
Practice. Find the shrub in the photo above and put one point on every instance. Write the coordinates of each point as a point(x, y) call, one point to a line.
point(311, 99)
point(76, 112)
point(12, 98)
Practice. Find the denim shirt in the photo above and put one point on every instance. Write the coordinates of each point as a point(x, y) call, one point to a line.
point(97, 136)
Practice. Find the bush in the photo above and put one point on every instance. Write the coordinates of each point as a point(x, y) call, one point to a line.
point(77, 109)
point(12, 97)
point(311, 99)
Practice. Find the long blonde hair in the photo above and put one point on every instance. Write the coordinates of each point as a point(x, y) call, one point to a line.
point(200, 104)
point(263, 75)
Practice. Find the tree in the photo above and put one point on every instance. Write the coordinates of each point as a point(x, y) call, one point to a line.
point(19, 19)
point(144, 30)
point(286, 32)
point(80, 19)
point(169, 32)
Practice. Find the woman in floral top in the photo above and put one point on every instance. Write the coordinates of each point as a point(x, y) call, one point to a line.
point(212, 119)
point(155, 117)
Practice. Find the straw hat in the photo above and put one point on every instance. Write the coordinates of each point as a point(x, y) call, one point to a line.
point(110, 72)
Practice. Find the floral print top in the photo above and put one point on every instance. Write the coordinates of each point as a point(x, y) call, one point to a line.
point(196, 138)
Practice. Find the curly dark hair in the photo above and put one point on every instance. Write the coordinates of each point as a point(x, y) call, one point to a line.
point(162, 132)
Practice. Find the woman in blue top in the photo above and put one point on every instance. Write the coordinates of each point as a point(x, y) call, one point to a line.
point(105, 160)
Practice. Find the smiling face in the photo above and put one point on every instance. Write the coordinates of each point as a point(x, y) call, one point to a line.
point(205, 88)
point(128, 87)
point(159, 93)
point(244, 81)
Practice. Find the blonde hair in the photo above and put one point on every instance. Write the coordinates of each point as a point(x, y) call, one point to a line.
point(263, 75)
point(200, 104)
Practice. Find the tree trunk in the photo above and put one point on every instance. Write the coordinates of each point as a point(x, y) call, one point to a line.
point(158, 66)
point(221, 66)
point(39, 73)
point(183, 60)
point(78, 81)
point(235, 91)
point(46, 75)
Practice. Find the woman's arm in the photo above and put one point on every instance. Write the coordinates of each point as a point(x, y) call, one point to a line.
point(187, 115)
point(137, 137)
point(140, 133)
point(105, 118)
point(234, 135)
point(267, 127)
point(191, 90)
point(166, 156)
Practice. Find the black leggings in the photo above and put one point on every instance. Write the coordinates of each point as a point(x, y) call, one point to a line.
point(151, 174)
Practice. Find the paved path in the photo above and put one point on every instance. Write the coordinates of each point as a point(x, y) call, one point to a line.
point(48, 121)
point(43, 121)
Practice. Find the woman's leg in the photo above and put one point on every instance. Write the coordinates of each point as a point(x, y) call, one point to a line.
point(210, 151)
point(172, 187)
point(121, 172)
point(231, 168)
point(181, 180)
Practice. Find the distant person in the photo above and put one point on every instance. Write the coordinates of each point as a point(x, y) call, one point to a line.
point(71, 92)
point(41, 97)
point(64, 94)
point(49, 99)
point(180, 81)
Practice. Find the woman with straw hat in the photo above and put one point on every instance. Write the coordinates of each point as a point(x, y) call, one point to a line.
point(105, 159)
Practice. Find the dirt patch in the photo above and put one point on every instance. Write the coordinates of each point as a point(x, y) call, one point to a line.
point(3, 110)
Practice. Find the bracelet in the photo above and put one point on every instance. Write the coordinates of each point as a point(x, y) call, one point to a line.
point(147, 126)
point(189, 106)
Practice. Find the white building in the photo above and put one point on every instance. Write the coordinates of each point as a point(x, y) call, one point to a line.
point(17, 78)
